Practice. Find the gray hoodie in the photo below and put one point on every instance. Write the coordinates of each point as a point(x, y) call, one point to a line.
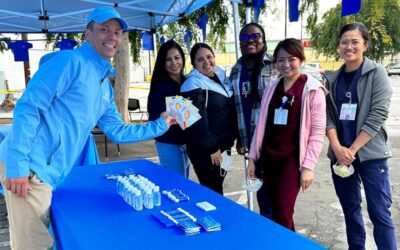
point(374, 93)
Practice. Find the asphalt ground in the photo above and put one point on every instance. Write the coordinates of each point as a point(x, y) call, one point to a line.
point(318, 215)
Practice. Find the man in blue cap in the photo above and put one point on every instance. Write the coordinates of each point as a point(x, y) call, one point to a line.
point(68, 96)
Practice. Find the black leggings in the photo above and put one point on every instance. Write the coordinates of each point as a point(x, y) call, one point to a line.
point(207, 173)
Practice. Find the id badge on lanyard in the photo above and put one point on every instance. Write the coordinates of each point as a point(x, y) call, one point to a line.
point(246, 88)
point(348, 110)
point(281, 114)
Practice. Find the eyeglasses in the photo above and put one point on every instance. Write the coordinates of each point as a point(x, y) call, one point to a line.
point(106, 31)
point(345, 43)
point(247, 37)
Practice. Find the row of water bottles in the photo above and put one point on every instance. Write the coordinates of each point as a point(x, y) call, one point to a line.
point(139, 192)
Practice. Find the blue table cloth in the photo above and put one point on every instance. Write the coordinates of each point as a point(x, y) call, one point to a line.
point(87, 213)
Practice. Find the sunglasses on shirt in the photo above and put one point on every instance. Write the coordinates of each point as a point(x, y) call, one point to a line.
point(247, 37)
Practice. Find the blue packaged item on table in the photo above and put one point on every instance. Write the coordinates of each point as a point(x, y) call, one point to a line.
point(209, 224)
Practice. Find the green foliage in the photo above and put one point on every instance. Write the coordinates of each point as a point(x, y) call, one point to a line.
point(134, 40)
point(218, 18)
point(380, 16)
point(3, 44)
point(310, 7)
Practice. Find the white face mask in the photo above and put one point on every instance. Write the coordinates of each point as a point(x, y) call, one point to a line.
point(252, 185)
point(342, 170)
point(226, 163)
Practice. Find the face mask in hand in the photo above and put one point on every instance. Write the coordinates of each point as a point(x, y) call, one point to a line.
point(252, 185)
point(342, 170)
point(226, 163)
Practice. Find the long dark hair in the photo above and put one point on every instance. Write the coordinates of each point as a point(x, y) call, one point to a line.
point(258, 61)
point(160, 71)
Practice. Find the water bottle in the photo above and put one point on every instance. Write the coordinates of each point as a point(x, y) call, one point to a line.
point(126, 192)
point(148, 199)
point(138, 200)
point(157, 196)
point(119, 185)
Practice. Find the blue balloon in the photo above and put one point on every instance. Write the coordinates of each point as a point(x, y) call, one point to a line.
point(162, 39)
point(147, 40)
point(350, 7)
point(186, 38)
point(202, 23)
point(293, 10)
point(257, 5)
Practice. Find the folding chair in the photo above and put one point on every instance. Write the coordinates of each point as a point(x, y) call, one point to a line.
point(134, 108)
point(97, 131)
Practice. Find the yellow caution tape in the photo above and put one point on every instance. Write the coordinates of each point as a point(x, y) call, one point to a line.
point(142, 88)
point(4, 91)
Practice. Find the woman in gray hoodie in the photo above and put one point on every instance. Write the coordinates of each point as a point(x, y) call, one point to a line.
point(357, 108)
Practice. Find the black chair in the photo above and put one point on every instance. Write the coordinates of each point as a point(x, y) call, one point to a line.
point(97, 131)
point(134, 108)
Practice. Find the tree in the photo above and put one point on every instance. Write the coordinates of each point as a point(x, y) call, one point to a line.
point(380, 16)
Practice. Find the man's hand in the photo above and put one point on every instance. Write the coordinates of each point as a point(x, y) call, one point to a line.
point(19, 186)
point(169, 119)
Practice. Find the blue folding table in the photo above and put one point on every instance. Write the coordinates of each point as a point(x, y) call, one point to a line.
point(87, 213)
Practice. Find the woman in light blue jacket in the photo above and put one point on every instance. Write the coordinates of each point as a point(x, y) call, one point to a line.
point(211, 92)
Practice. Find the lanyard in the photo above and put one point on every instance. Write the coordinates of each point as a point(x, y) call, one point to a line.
point(348, 95)
point(284, 101)
point(354, 81)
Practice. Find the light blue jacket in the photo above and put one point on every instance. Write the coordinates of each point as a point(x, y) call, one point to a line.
point(196, 80)
point(65, 99)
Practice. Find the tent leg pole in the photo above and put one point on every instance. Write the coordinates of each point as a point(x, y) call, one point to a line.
point(249, 194)
point(236, 28)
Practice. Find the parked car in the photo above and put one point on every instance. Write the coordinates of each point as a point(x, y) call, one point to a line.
point(314, 65)
point(393, 68)
point(313, 69)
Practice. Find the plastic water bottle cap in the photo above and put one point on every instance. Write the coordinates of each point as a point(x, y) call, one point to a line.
point(157, 188)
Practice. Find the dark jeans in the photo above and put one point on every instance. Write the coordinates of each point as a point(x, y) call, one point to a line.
point(207, 173)
point(374, 175)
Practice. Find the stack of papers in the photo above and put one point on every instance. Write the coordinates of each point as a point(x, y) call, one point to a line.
point(209, 224)
point(187, 114)
point(189, 227)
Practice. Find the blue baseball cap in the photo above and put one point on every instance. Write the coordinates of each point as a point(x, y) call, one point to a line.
point(103, 14)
